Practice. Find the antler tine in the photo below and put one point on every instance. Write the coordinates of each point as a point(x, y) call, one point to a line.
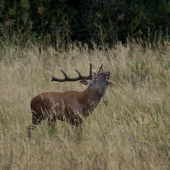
point(80, 77)
point(77, 72)
point(83, 76)
point(101, 68)
point(94, 71)
point(63, 72)
point(51, 75)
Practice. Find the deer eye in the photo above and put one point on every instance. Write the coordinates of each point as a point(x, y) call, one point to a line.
point(96, 78)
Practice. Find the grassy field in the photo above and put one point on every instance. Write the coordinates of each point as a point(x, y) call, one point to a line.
point(129, 129)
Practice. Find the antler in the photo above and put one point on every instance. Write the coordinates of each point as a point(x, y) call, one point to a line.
point(101, 68)
point(80, 77)
point(94, 71)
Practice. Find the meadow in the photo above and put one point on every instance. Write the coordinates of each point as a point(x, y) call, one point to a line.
point(129, 129)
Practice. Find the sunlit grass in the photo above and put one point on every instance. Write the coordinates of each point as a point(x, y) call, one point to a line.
point(129, 129)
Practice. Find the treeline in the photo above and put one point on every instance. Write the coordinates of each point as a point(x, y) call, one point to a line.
point(59, 22)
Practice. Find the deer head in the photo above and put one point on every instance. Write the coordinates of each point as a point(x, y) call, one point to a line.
point(98, 82)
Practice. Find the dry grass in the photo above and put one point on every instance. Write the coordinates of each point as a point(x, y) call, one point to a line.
point(128, 130)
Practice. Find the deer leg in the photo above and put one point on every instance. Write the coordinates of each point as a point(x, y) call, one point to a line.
point(51, 121)
point(35, 121)
point(76, 124)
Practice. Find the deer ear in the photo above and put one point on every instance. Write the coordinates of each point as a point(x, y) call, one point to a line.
point(85, 82)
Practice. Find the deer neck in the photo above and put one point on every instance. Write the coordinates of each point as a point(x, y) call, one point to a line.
point(90, 98)
point(92, 95)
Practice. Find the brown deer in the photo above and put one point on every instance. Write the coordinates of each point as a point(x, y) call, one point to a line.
point(69, 106)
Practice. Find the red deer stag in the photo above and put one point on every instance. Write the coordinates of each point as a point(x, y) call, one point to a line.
point(69, 106)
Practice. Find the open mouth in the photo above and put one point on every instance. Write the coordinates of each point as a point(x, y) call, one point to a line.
point(108, 78)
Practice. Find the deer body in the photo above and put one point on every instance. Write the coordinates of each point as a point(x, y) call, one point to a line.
point(69, 106)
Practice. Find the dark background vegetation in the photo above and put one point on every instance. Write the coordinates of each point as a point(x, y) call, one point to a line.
point(60, 22)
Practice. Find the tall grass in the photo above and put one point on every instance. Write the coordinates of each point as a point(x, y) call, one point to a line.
point(129, 129)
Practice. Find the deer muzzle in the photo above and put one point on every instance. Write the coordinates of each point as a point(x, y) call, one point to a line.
point(108, 78)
